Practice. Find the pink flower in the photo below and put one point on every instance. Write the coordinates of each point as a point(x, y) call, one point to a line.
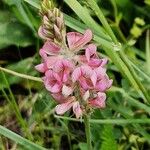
point(83, 75)
point(91, 58)
point(77, 41)
point(70, 75)
point(70, 103)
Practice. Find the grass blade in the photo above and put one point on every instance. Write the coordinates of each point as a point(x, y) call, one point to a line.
point(148, 50)
point(18, 139)
point(34, 3)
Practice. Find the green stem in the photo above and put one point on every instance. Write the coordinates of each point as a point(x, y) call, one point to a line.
point(21, 75)
point(109, 121)
point(87, 130)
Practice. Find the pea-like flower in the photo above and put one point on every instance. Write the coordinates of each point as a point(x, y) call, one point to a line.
point(72, 71)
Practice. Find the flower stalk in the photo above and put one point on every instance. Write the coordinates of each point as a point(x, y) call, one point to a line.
point(87, 131)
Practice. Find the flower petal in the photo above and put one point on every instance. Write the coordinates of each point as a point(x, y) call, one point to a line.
point(94, 78)
point(76, 74)
point(51, 48)
point(90, 50)
point(41, 67)
point(86, 95)
point(80, 40)
point(62, 108)
point(77, 109)
point(99, 101)
point(72, 38)
point(66, 90)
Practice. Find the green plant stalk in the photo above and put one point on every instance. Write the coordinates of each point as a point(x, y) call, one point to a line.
point(109, 121)
point(87, 131)
point(141, 71)
point(142, 89)
point(148, 50)
point(21, 75)
point(18, 139)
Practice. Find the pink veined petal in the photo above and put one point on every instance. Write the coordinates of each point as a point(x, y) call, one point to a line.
point(51, 61)
point(43, 54)
point(59, 97)
point(66, 90)
point(82, 41)
point(51, 48)
point(84, 84)
point(41, 32)
point(76, 74)
point(104, 84)
point(110, 83)
point(90, 50)
point(62, 108)
point(86, 95)
point(101, 72)
point(95, 62)
point(86, 70)
point(77, 109)
point(51, 82)
point(72, 38)
point(57, 76)
point(53, 87)
point(59, 65)
point(104, 62)
point(94, 78)
point(41, 67)
point(99, 101)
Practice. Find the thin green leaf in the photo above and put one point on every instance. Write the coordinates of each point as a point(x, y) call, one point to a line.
point(20, 140)
point(148, 50)
point(34, 3)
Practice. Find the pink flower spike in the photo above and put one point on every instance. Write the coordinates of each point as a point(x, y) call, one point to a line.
point(62, 108)
point(77, 109)
point(99, 101)
point(77, 42)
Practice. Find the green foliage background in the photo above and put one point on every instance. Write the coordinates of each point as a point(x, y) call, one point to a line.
point(27, 109)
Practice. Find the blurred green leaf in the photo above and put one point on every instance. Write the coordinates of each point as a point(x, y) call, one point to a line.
point(83, 146)
point(12, 32)
point(108, 142)
point(23, 66)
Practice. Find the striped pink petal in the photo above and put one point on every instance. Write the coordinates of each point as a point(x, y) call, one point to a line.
point(62, 108)
point(77, 109)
